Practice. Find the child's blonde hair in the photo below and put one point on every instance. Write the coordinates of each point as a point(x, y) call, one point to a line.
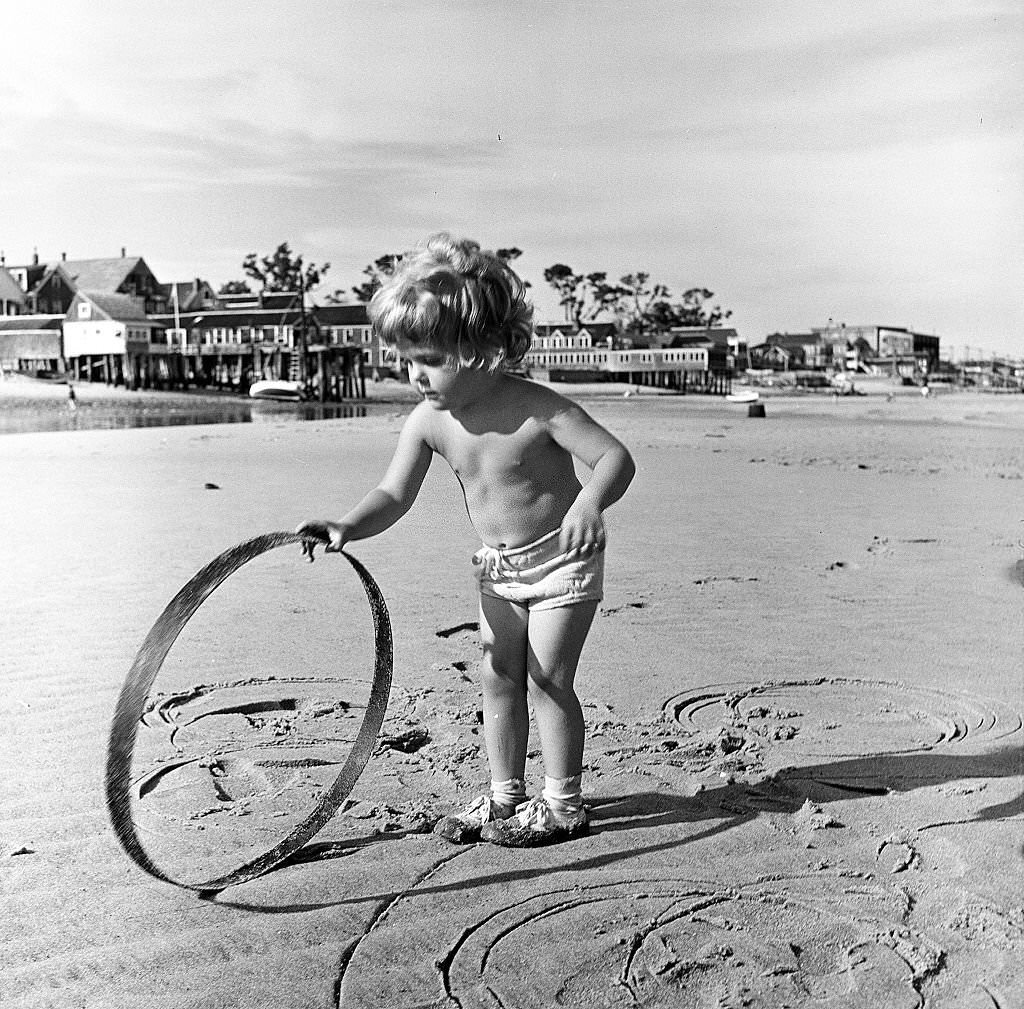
point(450, 296)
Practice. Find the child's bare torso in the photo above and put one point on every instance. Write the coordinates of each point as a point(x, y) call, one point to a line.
point(517, 480)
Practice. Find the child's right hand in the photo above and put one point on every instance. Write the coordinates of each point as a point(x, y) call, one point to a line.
point(332, 535)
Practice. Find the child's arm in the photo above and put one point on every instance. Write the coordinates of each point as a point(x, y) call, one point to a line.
point(612, 469)
point(387, 502)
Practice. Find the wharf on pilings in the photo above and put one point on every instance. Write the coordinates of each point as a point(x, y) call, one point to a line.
point(328, 372)
point(683, 381)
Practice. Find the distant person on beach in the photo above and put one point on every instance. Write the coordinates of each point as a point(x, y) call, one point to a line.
point(458, 317)
point(72, 399)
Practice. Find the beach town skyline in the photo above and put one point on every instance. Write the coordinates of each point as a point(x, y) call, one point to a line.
point(859, 163)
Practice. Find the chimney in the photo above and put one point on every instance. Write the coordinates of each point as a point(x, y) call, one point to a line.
point(35, 257)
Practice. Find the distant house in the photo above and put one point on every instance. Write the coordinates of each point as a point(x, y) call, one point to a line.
point(54, 291)
point(274, 320)
point(882, 349)
point(30, 342)
point(189, 296)
point(722, 344)
point(27, 275)
point(566, 336)
point(860, 349)
point(222, 330)
point(789, 352)
point(590, 352)
point(350, 324)
point(563, 345)
point(47, 288)
point(99, 323)
point(12, 297)
point(127, 275)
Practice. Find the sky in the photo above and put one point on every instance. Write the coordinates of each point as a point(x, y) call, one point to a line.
point(854, 160)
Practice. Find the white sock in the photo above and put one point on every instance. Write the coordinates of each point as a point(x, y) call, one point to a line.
point(509, 793)
point(564, 795)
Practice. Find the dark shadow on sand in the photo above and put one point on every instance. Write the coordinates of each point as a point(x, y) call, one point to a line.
point(729, 806)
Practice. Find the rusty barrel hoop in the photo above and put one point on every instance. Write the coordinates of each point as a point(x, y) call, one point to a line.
point(135, 691)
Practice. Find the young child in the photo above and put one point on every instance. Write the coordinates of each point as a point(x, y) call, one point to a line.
point(458, 317)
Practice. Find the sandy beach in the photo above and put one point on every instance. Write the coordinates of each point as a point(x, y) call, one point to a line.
point(803, 695)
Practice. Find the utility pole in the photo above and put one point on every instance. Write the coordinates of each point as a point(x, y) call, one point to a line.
point(302, 326)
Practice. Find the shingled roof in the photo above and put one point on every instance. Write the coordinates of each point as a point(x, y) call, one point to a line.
point(340, 315)
point(122, 307)
point(10, 289)
point(100, 274)
point(30, 323)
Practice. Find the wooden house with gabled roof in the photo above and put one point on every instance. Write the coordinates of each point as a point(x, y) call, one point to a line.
point(788, 352)
point(118, 275)
point(53, 292)
point(47, 288)
point(109, 337)
point(189, 296)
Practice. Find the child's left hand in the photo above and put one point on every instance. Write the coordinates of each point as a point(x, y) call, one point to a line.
point(582, 530)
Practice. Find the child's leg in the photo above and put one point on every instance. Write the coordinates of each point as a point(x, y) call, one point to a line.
point(556, 640)
point(503, 635)
point(506, 720)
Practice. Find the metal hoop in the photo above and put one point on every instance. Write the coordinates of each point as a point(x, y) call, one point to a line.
point(132, 700)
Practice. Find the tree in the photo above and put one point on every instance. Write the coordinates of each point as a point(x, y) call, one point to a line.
point(693, 311)
point(638, 300)
point(235, 287)
point(566, 283)
point(381, 267)
point(507, 255)
point(283, 271)
point(639, 306)
point(583, 296)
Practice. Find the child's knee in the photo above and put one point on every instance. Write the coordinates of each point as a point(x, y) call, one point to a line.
point(552, 689)
point(500, 678)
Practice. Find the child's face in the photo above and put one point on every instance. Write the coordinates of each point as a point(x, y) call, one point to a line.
point(442, 383)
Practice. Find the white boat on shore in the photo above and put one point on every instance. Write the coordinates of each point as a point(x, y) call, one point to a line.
point(277, 389)
point(746, 396)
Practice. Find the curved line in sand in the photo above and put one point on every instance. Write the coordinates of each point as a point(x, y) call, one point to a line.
point(464, 968)
point(131, 706)
point(954, 716)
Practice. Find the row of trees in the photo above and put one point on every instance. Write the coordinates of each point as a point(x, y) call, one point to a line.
point(639, 306)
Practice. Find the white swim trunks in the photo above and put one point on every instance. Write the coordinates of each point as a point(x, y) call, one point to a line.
point(538, 576)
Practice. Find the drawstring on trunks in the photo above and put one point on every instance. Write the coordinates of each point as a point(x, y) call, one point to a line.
point(495, 562)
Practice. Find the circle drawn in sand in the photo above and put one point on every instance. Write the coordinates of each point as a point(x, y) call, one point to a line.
point(230, 750)
point(131, 707)
point(838, 716)
point(678, 943)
